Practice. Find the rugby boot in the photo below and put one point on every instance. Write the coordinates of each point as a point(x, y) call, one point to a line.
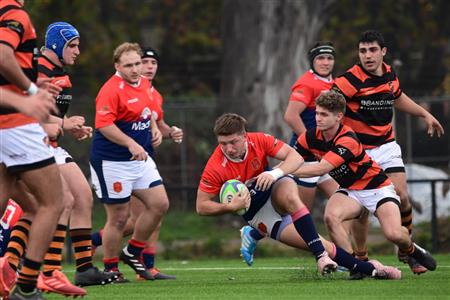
point(326, 265)
point(93, 276)
point(248, 245)
point(135, 263)
point(58, 283)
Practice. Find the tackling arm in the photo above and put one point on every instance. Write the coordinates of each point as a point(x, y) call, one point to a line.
point(305, 171)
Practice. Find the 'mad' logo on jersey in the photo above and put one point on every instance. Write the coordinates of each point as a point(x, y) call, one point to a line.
point(140, 125)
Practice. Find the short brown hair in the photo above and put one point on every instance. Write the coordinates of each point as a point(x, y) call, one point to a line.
point(332, 101)
point(126, 47)
point(229, 123)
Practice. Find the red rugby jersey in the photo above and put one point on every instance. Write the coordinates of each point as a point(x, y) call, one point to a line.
point(220, 169)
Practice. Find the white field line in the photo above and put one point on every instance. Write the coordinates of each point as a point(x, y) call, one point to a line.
point(247, 268)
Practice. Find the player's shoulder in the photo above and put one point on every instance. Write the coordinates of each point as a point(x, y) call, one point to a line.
point(305, 80)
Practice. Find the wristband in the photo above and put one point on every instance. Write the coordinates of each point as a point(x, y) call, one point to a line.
point(276, 173)
point(33, 89)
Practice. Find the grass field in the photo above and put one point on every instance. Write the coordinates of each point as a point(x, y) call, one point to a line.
point(273, 278)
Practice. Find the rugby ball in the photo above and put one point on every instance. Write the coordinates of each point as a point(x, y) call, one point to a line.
point(229, 189)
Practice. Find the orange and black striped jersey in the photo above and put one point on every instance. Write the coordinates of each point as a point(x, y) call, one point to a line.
point(370, 100)
point(353, 168)
point(46, 68)
point(17, 32)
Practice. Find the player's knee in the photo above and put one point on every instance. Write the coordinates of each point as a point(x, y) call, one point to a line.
point(331, 220)
point(162, 206)
point(394, 235)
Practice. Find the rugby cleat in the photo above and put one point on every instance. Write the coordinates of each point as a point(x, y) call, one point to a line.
point(18, 294)
point(326, 265)
point(248, 245)
point(415, 267)
point(7, 277)
point(135, 263)
point(156, 273)
point(423, 257)
point(58, 283)
point(385, 272)
point(93, 276)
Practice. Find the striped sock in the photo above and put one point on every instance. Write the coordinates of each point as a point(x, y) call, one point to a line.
point(18, 242)
point(305, 227)
point(111, 264)
point(53, 257)
point(28, 275)
point(407, 217)
point(82, 244)
point(135, 247)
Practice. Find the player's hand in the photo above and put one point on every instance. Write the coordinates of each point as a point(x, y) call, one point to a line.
point(240, 201)
point(46, 84)
point(137, 152)
point(264, 181)
point(433, 126)
point(39, 105)
point(73, 122)
point(53, 130)
point(82, 133)
point(157, 137)
point(176, 134)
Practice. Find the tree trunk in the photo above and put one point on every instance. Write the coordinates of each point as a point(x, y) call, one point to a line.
point(265, 50)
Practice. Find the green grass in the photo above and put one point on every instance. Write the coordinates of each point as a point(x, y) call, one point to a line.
point(273, 278)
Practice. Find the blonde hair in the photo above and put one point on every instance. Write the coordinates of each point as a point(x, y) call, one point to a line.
point(126, 47)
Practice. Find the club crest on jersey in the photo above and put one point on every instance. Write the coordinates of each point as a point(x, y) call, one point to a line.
point(256, 164)
point(146, 112)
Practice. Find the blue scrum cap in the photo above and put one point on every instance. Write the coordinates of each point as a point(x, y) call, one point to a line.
point(58, 35)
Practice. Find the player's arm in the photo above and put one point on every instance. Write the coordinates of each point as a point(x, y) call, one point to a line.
point(292, 116)
point(291, 161)
point(406, 104)
point(115, 135)
point(172, 132)
point(10, 69)
point(207, 206)
point(38, 106)
point(319, 169)
point(156, 133)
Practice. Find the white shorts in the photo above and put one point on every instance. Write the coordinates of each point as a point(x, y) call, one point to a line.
point(265, 219)
point(388, 157)
point(24, 148)
point(62, 156)
point(114, 181)
point(371, 199)
point(312, 181)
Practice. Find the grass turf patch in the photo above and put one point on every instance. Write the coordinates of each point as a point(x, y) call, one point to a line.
point(273, 278)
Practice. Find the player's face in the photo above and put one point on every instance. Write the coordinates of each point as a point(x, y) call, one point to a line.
point(71, 52)
point(371, 57)
point(149, 67)
point(326, 119)
point(233, 145)
point(323, 64)
point(130, 66)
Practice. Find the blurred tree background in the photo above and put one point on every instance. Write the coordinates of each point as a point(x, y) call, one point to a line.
point(243, 56)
